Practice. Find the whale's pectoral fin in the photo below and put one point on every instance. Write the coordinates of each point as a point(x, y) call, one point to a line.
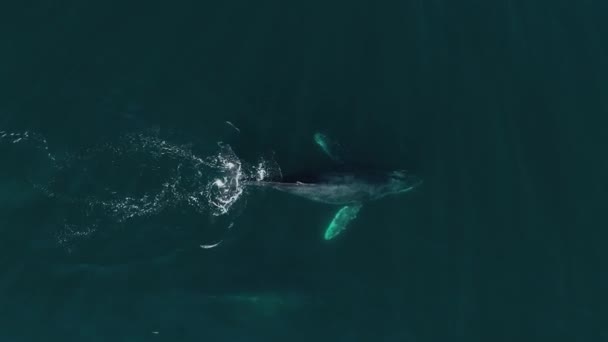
point(341, 220)
point(328, 146)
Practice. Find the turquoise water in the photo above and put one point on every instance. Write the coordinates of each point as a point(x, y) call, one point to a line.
point(501, 107)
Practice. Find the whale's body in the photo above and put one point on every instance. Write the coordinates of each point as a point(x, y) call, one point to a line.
point(349, 187)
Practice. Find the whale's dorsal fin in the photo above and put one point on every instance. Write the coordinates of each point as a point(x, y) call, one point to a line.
point(341, 220)
point(328, 146)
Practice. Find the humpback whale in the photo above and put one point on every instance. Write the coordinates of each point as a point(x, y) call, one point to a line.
point(349, 187)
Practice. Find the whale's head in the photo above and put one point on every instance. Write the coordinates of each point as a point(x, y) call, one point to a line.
point(401, 181)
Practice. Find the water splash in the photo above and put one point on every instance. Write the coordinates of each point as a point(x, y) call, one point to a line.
point(225, 190)
point(142, 176)
point(33, 139)
point(71, 234)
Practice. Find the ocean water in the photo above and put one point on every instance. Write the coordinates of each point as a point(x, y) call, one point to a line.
point(121, 124)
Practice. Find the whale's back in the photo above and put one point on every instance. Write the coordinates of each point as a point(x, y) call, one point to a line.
point(330, 193)
point(343, 187)
point(335, 187)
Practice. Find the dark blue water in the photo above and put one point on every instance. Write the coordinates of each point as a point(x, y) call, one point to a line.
point(501, 107)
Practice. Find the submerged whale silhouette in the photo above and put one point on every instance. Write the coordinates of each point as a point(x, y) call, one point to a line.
point(349, 187)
